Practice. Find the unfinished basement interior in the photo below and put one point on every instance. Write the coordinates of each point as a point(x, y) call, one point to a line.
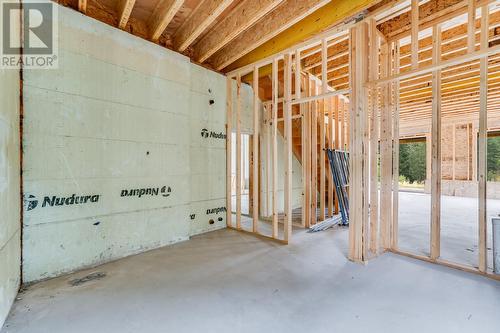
point(249, 166)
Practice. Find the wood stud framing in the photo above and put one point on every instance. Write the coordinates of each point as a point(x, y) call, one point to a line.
point(483, 125)
point(255, 171)
point(365, 115)
point(435, 240)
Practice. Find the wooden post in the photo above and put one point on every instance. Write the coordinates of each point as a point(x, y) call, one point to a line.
point(287, 118)
point(256, 156)
point(229, 132)
point(436, 148)
point(385, 154)
point(358, 197)
point(374, 138)
point(395, 158)
point(275, 147)
point(482, 142)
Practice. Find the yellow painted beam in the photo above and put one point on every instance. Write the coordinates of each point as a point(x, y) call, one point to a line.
point(325, 17)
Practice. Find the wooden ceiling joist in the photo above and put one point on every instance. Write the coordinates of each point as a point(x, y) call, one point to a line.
point(200, 19)
point(124, 10)
point(291, 23)
point(162, 15)
point(246, 14)
point(283, 17)
point(82, 6)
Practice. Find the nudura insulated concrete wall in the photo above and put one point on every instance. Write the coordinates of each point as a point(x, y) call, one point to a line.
point(10, 247)
point(116, 157)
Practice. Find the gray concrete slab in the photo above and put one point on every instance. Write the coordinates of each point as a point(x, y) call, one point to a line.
point(228, 281)
point(459, 226)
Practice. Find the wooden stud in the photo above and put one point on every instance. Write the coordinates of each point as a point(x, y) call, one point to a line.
point(256, 155)
point(229, 132)
point(323, 111)
point(287, 115)
point(395, 158)
point(374, 139)
point(322, 162)
point(453, 151)
point(385, 154)
point(268, 160)
point(435, 240)
point(331, 133)
point(306, 142)
point(238, 152)
point(275, 147)
point(336, 144)
point(482, 142)
point(314, 155)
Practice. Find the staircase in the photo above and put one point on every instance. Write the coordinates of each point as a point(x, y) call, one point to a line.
point(314, 199)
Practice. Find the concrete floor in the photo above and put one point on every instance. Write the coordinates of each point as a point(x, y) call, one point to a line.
point(459, 226)
point(228, 281)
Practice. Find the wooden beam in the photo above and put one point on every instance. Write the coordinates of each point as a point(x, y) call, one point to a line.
point(82, 6)
point(296, 21)
point(256, 154)
point(237, 21)
point(124, 10)
point(471, 26)
point(198, 21)
point(289, 13)
point(435, 241)
point(229, 132)
point(161, 17)
point(482, 143)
